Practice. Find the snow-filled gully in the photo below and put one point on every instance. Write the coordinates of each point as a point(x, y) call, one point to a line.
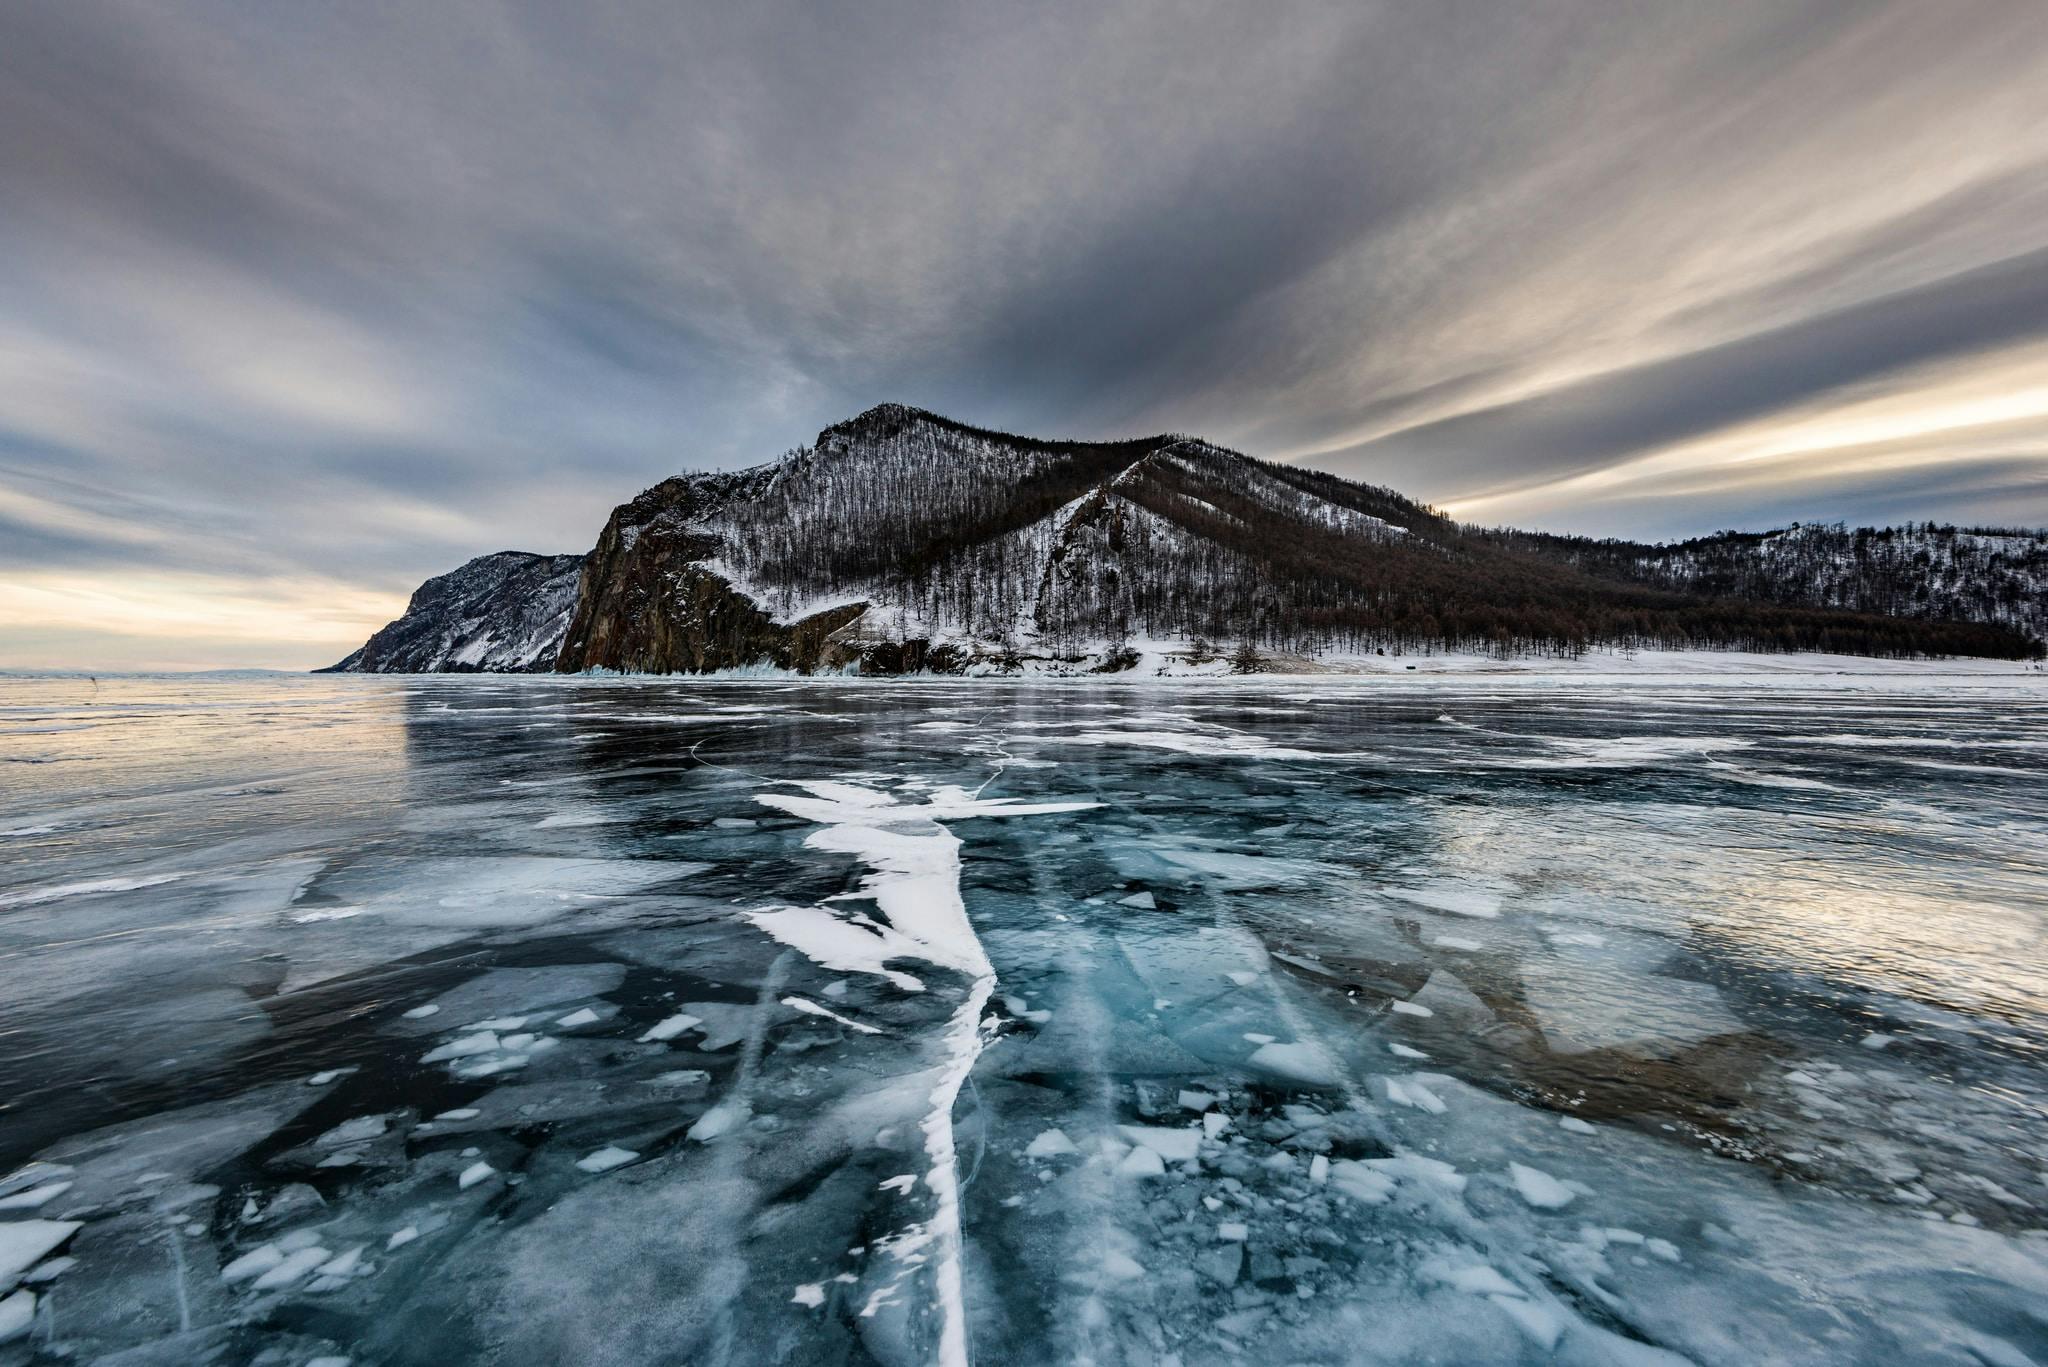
point(914, 885)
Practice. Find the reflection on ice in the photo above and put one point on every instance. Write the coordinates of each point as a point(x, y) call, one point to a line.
point(617, 1021)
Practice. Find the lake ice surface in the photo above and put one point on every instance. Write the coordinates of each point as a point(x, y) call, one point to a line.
point(1468, 1020)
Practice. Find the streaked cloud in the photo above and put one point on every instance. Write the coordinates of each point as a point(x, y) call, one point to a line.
point(333, 298)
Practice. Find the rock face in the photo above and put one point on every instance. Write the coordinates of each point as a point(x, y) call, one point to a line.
point(502, 614)
point(905, 541)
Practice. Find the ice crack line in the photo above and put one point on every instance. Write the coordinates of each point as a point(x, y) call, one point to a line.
point(914, 885)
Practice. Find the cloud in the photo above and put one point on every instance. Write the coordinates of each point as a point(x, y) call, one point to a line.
point(344, 295)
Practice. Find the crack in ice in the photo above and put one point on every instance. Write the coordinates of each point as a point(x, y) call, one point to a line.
point(914, 884)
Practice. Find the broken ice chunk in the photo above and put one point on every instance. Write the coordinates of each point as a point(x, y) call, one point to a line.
point(670, 1028)
point(468, 1046)
point(400, 1238)
point(1233, 1232)
point(1196, 1101)
point(720, 1118)
point(353, 1131)
point(1361, 1183)
point(1409, 1092)
point(342, 1264)
point(1539, 1188)
point(1050, 1144)
point(17, 1313)
point(813, 1293)
point(1143, 901)
point(460, 1113)
point(1410, 1009)
point(322, 1079)
point(32, 1175)
point(1403, 1051)
point(1141, 1162)
point(1302, 1061)
point(35, 1197)
point(1573, 1125)
point(54, 1268)
point(291, 1268)
point(473, 1174)
point(420, 1013)
point(1475, 1279)
point(1175, 1146)
point(1215, 1123)
point(575, 1018)
point(24, 1243)
point(605, 1159)
point(1242, 977)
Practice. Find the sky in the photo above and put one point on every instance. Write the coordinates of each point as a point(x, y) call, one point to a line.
point(302, 303)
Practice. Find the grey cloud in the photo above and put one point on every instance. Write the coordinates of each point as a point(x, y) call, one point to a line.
point(1589, 425)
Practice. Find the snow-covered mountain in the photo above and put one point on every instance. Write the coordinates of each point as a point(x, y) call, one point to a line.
point(1919, 570)
point(502, 613)
point(903, 540)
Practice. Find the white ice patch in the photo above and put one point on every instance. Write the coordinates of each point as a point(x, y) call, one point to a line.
point(55, 892)
point(1304, 1061)
point(605, 1159)
point(1050, 1144)
point(811, 1008)
point(1539, 1188)
point(24, 1243)
point(670, 1027)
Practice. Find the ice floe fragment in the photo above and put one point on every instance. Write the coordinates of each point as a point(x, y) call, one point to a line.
point(1303, 1061)
point(1050, 1144)
point(1175, 1146)
point(476, 1172)
point(1410, 1092)
point(24, 1243)
point(671, 1027)
point(35, 1198)
point(605, 1159)
point(468, 1046)
point(17, 1313)
point(1141, 1162)
point(1539, 1188)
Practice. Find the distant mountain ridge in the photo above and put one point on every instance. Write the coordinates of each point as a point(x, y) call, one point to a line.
point(499, 614)
point(903, 541)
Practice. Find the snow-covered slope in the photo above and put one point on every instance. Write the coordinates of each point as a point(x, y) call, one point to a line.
point(1920, 570)
point(502, 613)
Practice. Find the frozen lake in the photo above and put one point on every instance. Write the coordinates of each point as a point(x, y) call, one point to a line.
point(1471, 1020)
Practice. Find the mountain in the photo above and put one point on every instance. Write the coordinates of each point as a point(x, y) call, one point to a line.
point(499, 614)
point(1920, 570)
point(903, 540)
